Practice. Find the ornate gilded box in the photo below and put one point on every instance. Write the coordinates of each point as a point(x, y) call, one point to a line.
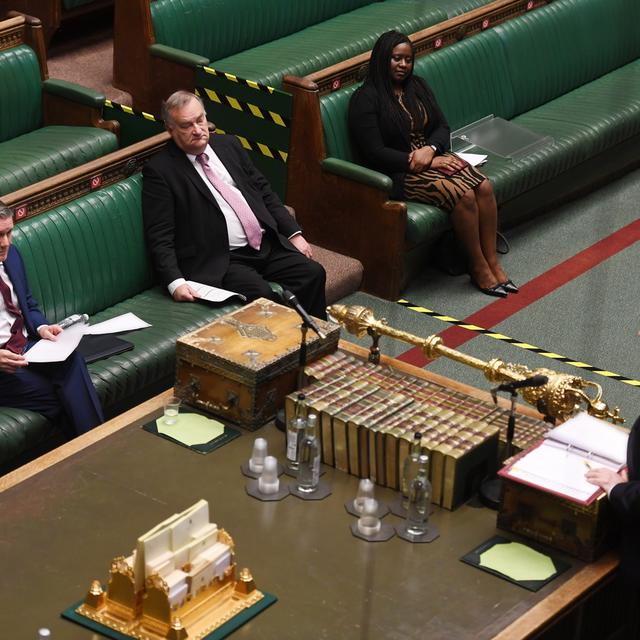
point(581, 531)
point(243, 364)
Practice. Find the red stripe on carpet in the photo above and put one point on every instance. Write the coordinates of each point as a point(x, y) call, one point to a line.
point(533, 290)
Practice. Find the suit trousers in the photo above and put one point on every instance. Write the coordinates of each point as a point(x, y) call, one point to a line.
point(250, 271)
point(52, 389)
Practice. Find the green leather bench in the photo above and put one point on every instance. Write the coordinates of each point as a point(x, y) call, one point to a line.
point(96, 243)
point(46, 126)
point(569, 70)
point(260, 41)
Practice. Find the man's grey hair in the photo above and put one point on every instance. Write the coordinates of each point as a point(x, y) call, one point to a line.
point(177, 100)
point(5, 212)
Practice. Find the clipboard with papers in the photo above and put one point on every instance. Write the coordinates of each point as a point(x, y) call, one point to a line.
point(558, 463)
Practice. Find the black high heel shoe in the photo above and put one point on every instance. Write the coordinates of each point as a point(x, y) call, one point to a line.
point(498, 291)
point(509, 287)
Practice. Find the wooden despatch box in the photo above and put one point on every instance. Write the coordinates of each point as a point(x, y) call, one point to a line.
point(581, 531)
point(243, 364)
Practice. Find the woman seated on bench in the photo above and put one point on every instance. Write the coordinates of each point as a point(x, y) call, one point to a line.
point(399, 129)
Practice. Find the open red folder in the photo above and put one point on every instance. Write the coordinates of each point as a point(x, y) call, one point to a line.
point(559, 462)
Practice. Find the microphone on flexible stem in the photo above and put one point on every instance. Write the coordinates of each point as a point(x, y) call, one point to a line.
point(74, 319)
point(533, 381)
point(292, 301)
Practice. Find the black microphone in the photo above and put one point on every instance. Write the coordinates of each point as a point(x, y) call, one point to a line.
point(292, 301)
point(533, 381)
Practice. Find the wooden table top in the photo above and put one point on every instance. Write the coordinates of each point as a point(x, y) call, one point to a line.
point(67, 514)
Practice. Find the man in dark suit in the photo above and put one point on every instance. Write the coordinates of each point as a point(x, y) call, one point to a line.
point(210, 216)
point(624, 495)
point(49, 388)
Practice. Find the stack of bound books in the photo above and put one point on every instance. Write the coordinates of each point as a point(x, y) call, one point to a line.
point(369, 413)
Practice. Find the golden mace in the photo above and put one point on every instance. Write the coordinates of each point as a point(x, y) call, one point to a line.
point(560, 397)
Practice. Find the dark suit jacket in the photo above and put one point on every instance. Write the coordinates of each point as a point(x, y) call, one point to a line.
point(625, 500)
point(185, 230)
point(380, 143)
point(32, 315)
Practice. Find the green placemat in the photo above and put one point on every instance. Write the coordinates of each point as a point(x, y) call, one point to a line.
point(228, 434)
point(516, 562)
point(221, 632)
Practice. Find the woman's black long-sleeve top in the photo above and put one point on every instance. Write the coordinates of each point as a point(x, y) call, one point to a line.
point(379, 141)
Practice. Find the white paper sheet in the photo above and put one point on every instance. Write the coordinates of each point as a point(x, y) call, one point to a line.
point(558, 470)
point(124, 322)
point(57, 350)
point(474, 159)
point(593, 435)
point(212, 294)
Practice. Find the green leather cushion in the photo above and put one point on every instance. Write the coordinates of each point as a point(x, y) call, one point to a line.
point(329, 42)
point(152, 360)
point(20, 93)
point(219, 28)
point(22, 432)
point(561, 46)
point(44, 152)
point(583, 123)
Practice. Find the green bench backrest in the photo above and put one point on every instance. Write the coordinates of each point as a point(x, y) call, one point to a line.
point(20, 92)
point(334, 108)
point(89, 254)
point(219, 28)
point(516, 66)
point(566, 44)
point(470, 79)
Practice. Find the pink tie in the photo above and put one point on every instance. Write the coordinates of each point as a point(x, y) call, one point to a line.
point(247, 218)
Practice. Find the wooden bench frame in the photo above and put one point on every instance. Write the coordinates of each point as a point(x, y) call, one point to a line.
point(51, 12)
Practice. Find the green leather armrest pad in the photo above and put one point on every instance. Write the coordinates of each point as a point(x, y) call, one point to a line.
point(358, 173)
point(178, 55)
point(75, 92)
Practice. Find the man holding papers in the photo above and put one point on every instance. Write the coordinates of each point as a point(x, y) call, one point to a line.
point(50, 389)
point(211, 217)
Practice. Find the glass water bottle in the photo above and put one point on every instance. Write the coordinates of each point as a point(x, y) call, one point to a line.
point(309, 457)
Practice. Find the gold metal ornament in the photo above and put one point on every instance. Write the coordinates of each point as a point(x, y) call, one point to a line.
point(562, 395)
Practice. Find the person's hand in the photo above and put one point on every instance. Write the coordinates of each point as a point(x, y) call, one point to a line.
point(449, 163)
point(301, 245)
point(421, 159)
point(10, 362)
point(184, 293)
point(49, 332)
point(606, 478)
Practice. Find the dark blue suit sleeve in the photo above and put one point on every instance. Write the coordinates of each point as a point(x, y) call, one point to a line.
point(30, 310)
point(625, 500)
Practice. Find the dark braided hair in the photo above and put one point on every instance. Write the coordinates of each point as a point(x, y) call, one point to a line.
point(379, 76)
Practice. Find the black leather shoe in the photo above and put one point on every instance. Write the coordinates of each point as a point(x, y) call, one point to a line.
point(509, 287)
point(497, 290)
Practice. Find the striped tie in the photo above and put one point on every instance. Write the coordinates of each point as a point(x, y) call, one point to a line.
point(17, 341)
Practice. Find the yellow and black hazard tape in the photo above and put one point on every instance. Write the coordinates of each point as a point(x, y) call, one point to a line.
point(517, 343)
point(260, 147)
point(246, 107)
point(252, 84)
point(250, 145)
point(131, 111)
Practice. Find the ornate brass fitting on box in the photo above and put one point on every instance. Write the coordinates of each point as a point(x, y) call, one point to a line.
point(559, 398)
